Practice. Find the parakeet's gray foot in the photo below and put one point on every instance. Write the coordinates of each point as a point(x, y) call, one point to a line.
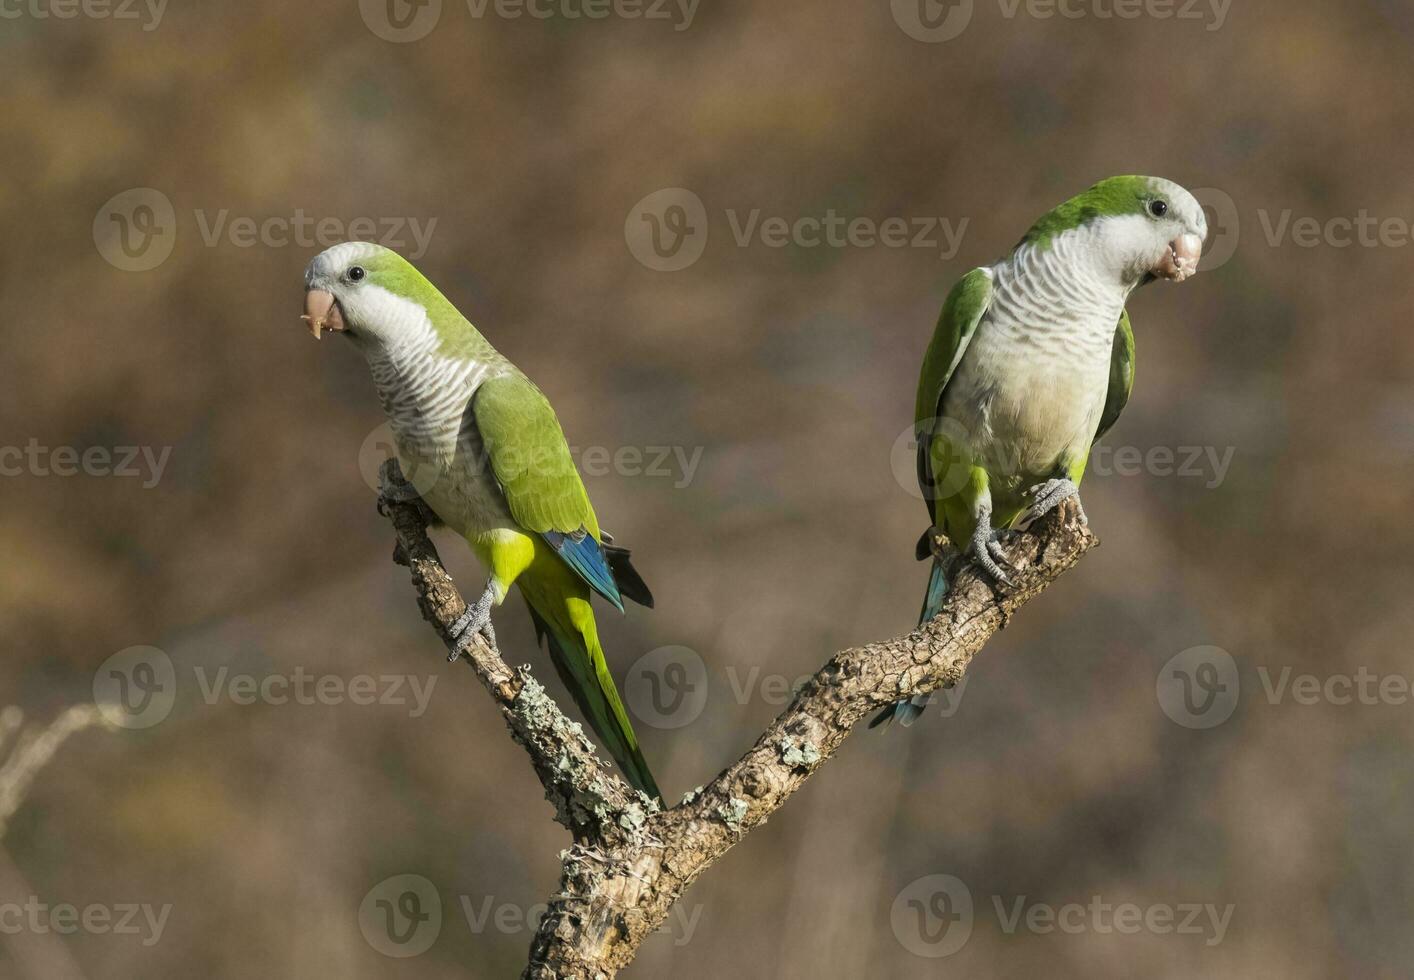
point(476, 619)
point(1048, 497)
point(399, 493)
point(987, 549)
point(393, 488)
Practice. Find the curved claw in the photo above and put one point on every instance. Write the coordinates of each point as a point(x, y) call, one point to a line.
point(1080, 511)
point(987, 549)
point(993, 569)
point(1048, 496)
point(995, 549)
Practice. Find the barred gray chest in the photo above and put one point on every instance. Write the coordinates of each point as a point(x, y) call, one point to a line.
point(1031, 386)
point(427, 399)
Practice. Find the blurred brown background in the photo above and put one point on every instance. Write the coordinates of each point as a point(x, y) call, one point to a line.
point(530, 141)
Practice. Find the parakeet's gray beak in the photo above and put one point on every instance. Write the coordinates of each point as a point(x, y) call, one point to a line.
point(1181, 259)
point(321, 312)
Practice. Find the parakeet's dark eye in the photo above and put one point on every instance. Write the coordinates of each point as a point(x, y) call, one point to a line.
point(356, 273)
point(1158, 208)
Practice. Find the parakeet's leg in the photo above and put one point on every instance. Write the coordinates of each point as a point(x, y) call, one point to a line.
point(986, 547)
point(1048, 496)
point(507, 552)
point(394, 488)
point(476, 619)
point(965, 516)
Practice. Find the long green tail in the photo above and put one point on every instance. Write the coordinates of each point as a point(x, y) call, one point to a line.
point(582, 667)
point(907, 712)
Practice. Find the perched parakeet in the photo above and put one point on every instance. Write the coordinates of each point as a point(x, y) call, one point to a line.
point(1032, 361)
point(482, 446)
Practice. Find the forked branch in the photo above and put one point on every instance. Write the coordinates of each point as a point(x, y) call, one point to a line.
point(631, 861)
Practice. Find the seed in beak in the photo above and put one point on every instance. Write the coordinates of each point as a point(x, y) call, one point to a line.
point(321, 311)
point(1181, 259)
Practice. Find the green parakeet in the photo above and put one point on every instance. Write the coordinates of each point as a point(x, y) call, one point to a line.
point(483, 448)
point(1032, 361)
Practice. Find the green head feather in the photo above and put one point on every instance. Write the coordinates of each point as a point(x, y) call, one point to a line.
point(1112, 197)
point(376, 289)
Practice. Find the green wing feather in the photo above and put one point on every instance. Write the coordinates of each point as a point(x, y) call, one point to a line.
point(586, 676)
point(532, 464)
point(1121, 375)
point(530, 458)
point(961, 313)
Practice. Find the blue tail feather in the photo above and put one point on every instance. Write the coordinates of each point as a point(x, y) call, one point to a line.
point(907, 712)
point(585, 555)
point(937, 591)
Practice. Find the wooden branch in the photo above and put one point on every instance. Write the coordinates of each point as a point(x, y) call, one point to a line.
point(25, 750)
point(631, 861)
